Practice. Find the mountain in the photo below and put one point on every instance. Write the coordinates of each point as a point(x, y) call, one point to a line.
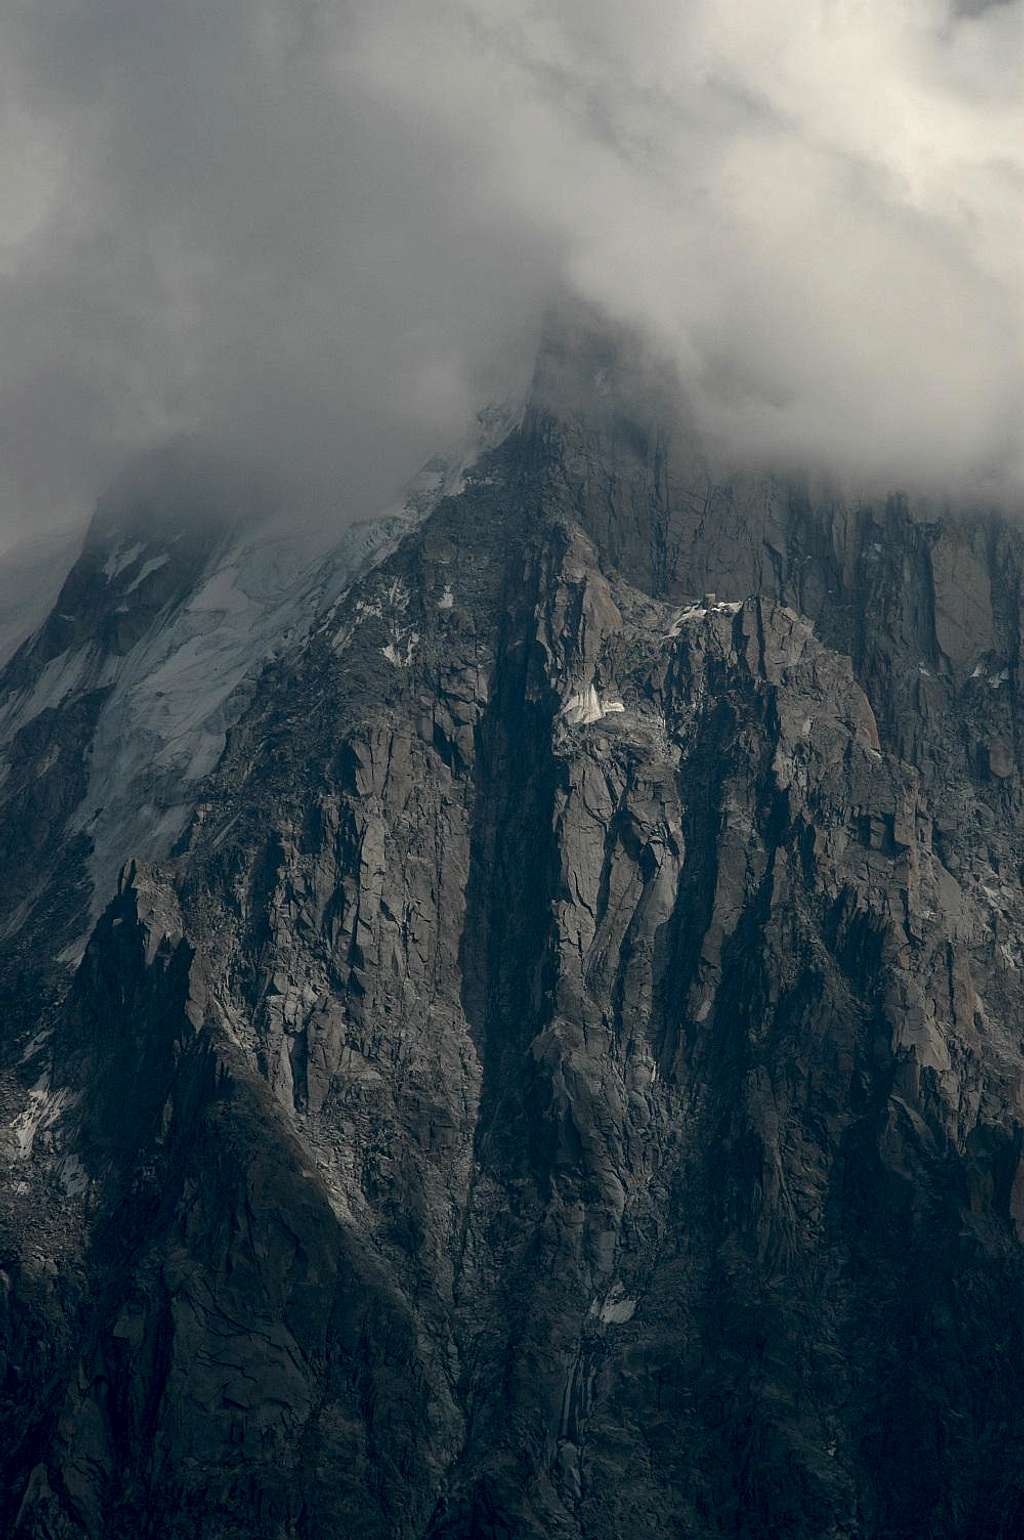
point(115, 710)
point(550, 1062)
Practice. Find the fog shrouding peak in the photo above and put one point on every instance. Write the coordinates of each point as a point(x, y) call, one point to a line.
point(321, 235)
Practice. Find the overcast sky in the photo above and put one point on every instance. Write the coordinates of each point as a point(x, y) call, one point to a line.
point(323, 232)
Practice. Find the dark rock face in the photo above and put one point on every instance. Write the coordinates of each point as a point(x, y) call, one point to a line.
point(567, 1079)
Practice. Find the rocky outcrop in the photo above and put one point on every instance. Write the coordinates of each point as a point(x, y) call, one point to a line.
point(566, 1078)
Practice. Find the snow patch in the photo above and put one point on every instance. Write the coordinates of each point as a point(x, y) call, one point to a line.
point(691, 612)
point(221, 594)
point(40, 1112)
point(683, 617)
point(582, 707)
point(36, 1045)
point(146, 570)
point(616, 1308)
point(586, 706)
point(58, 679)
point(402, 650)
point(120, 559)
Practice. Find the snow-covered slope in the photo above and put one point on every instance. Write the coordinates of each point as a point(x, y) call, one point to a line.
point(175, 694)
point(152, 650)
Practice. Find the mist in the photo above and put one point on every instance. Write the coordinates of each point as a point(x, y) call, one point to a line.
point(320, 236)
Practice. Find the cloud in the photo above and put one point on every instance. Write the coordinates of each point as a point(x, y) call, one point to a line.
point(202, 232)
point(322, 233)
point(813, 209)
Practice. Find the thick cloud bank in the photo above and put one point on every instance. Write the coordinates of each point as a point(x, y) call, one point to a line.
point(321, 233)
point(203, 229)
point(814, 207)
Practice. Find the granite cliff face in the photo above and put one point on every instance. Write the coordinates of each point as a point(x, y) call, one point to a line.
point(565, 1076)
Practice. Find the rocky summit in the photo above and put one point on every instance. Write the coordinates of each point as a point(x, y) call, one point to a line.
point(514, 1024)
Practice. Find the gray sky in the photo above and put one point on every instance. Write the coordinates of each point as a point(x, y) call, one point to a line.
point(323, 232)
